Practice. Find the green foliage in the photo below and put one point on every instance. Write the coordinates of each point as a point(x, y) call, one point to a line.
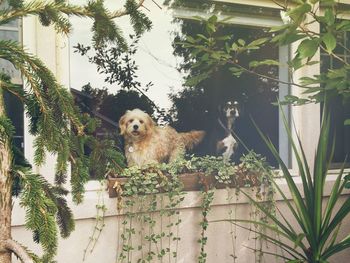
point(332, 28)
point(146, 210)
point(46, 208)
point(314, 239)
point(156, 188)
point(104, 29)
point(207, 199)
point(209, 56)
point(99, 223)
point(119, 67)
point(6, 128)
point(97, 102)
point(139, 20)
point(212, 50)
point(57, 124)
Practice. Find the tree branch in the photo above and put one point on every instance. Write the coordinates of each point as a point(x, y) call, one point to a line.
point(18, 249)
point(124, 12)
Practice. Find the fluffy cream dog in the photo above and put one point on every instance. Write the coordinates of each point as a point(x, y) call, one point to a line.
point(147, 143)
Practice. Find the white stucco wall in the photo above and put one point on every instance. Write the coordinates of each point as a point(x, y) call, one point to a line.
point(219, 247)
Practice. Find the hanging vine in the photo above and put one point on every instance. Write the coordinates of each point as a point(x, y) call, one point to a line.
point(151, 197)
point(99, 223)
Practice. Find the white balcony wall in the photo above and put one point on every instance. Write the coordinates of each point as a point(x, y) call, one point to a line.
point(219, 247)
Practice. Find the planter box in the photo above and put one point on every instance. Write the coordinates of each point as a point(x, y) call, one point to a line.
point(195, 182)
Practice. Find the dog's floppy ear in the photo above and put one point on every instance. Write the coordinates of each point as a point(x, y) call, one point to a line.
point(122, 124)
point(150, 122)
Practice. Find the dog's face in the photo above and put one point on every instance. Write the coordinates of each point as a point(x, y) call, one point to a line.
point(231, 109)
point(135, 124)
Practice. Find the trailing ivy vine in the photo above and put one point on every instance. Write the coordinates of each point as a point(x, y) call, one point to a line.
point(99, 223)
point(151, 196)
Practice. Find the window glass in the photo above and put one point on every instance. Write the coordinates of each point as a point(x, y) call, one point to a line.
point(163, 63)
point(14, 107)
point(9, 33)
point(339, 107)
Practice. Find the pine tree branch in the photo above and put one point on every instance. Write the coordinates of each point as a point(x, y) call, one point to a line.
point(123, 12)
point(18, 249)
point(37, 7)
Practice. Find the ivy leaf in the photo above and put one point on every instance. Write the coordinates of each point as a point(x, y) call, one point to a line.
point(330, 42)
point(308, 48)
point(347, 122)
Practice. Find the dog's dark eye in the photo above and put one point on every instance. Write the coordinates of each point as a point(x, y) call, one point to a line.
point(130, 121)
point(141, 121)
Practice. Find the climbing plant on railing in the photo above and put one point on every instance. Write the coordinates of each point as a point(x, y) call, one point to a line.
point(153, 218)
point(151, 196)
point(99, 223)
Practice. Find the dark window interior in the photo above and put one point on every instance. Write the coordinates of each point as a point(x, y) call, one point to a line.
point(339, 107)
point(14, 108)
point(201, 107)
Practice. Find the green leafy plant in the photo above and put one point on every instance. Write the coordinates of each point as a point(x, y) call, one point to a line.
point(315, 238)
point(207, 199)
point(155, 191)
point(99, 223)
point(54, 120)
point(211, 51)
point(151, 197)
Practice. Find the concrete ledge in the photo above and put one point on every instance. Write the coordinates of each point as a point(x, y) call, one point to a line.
point(222, 197)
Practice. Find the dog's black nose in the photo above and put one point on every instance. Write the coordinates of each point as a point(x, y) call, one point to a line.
point(135, 127)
